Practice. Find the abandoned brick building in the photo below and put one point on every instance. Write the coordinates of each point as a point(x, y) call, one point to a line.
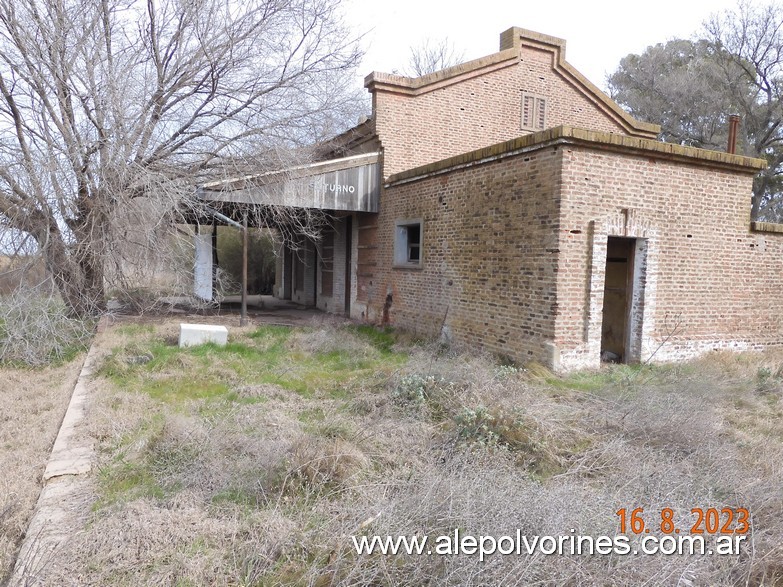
point(508, 204)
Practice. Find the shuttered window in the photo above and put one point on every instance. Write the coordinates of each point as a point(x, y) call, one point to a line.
point(533, 112)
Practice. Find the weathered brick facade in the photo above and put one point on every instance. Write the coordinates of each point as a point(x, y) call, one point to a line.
point(479, 103)
point(487, 277)
point(559, 245)
point(515, 249)
point(331, 283)
point(710, 281)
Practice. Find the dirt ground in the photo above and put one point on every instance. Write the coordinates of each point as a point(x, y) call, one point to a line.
point(32, 405)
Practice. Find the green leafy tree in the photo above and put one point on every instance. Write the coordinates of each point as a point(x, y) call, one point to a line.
point(691, 87)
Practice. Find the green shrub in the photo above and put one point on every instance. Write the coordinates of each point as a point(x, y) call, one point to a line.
point(514, 432)
point(505, 371)
point(769, 381)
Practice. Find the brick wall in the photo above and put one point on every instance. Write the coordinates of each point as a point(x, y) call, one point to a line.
point(478, 109)
point(488, 250)
point(366, 264)
point(334, 303)
point(710, 282)
point(515, 246)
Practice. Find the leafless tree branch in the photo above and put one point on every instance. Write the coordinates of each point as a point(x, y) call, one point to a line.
point(105, 103)
point(432, 56)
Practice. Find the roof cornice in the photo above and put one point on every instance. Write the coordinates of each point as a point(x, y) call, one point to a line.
point(567, 135)
point(413, 86)
point(511, 41)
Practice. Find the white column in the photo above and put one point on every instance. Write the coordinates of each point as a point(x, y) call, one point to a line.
point(202, 270)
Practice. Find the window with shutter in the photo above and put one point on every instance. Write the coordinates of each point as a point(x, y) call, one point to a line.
point(540, 113)
point(528, 105)
point(533, 112)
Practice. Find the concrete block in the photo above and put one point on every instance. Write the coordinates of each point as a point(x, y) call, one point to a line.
point(195, 334)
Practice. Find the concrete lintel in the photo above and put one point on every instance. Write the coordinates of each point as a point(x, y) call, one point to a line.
point(766, 227)
point(348, 184)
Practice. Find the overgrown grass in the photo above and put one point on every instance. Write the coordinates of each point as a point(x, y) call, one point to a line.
point(214, 380)
point(263, 356)
point(255, 463)
point(382, 339)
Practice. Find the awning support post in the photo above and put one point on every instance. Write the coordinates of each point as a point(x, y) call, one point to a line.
point(243, 312)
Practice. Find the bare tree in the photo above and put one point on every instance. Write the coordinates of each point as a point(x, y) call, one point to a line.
point(432, 56)
point(111, 111)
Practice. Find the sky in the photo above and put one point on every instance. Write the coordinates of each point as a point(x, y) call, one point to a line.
point(598, 33)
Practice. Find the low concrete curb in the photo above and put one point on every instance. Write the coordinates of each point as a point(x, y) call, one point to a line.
point(61, 505)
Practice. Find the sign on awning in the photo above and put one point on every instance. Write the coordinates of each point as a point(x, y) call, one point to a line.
point(350, 184)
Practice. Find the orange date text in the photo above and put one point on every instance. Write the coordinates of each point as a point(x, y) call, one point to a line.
point(702, 521)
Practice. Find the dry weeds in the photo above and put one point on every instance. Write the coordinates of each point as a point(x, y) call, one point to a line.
point(33, 404)
point(265, 484)
point(36, 329)
point(21, 271)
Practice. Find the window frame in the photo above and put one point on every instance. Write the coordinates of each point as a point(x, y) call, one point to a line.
point(402, 246)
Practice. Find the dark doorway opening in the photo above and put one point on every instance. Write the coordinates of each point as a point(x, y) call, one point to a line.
point(327, 262)
point(618, 300)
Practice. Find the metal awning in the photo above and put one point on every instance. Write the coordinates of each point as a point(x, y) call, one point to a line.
point(350, 184)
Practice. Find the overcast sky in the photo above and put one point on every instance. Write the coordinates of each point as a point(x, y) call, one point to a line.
point(598, 33)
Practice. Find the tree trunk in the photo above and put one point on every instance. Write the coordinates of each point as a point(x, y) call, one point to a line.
point(84, 296)
point(77, 271)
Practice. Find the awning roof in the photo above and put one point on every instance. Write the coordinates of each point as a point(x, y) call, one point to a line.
point(350, 184)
